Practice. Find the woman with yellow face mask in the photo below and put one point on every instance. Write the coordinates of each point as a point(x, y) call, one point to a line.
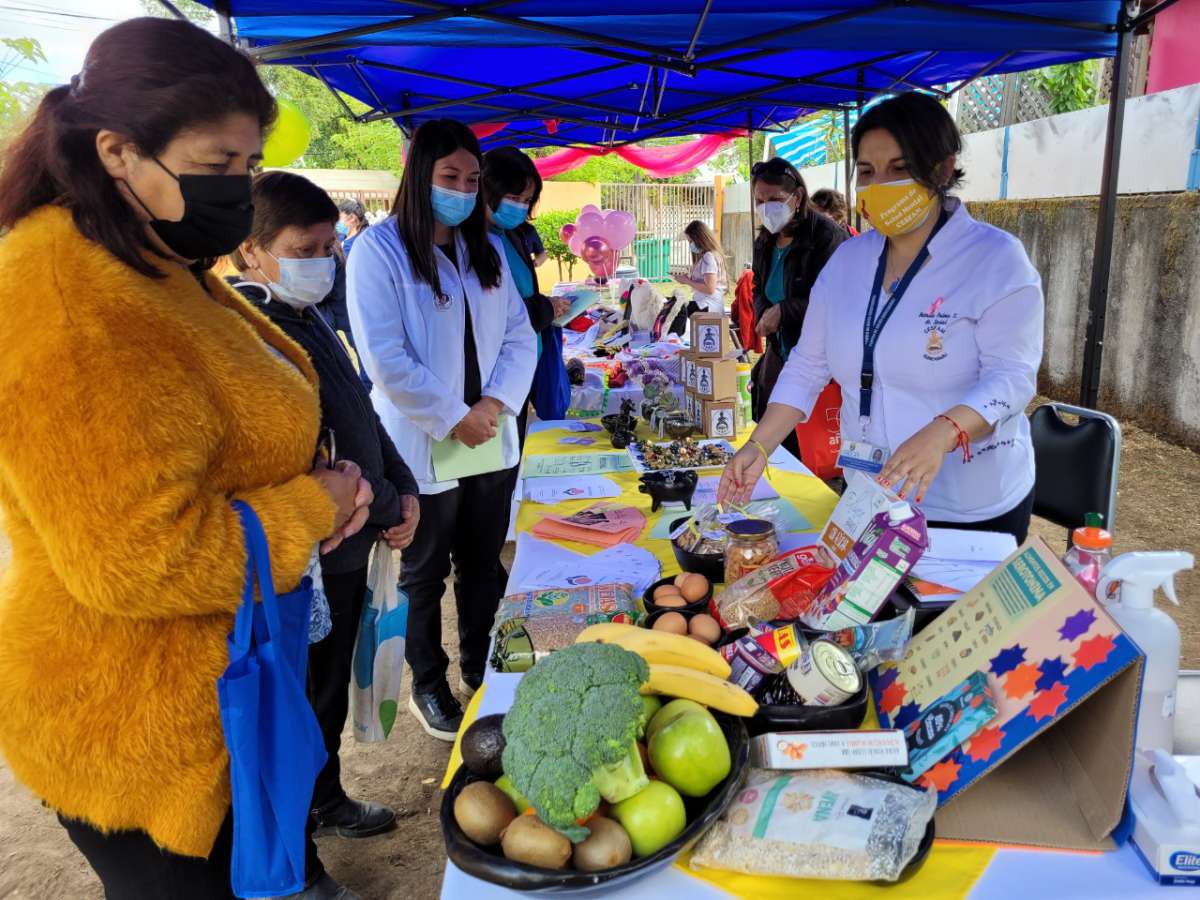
point(931, 322)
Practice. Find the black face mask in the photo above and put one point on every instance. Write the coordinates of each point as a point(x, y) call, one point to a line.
point(217, 215)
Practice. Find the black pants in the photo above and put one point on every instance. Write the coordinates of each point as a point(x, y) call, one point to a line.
point(466, 525)
point(132, 867)
point(1014, 522)
point(762, 382)
point(329, 668)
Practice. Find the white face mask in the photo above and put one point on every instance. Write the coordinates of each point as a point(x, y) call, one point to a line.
point(303, 282)
point(775, 214)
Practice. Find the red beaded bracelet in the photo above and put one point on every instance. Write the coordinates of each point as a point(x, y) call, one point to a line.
point(962, 439)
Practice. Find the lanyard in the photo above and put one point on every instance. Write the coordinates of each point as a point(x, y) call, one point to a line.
point(873, 323)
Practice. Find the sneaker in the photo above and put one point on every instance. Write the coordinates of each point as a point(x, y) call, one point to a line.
point(324, 888)
point(438, 711)
point(354, 819)
point(469, 683)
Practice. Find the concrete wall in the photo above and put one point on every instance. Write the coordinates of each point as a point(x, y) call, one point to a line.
point(1151, 364)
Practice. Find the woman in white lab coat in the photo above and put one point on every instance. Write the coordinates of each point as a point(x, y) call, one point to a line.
point(445, 338)
point(953, 310)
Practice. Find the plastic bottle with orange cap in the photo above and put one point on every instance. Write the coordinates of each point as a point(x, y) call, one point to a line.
point(1090, 551)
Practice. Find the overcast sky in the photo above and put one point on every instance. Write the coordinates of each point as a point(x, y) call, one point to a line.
point(65, 28)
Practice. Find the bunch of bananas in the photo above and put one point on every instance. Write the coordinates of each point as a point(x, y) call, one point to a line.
point(679, 666)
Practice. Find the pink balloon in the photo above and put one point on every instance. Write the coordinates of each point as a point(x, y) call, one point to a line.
point(620, 228)
point(567, 232)
point(600, 257)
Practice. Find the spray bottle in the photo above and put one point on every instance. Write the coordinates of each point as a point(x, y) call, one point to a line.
point(1139, 575)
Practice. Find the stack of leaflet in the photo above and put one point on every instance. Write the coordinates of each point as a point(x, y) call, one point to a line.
point(539, 565)
point(956, 561)
point(604, 524)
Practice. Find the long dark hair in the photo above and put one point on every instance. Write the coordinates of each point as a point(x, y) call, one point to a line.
point(506, 170)
point(925, 132)
point(148, 79)
point(778, 172)
point(413, 207)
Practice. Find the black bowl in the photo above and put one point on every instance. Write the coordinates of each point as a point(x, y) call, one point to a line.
point(710, 565)
point(669, 486)
point(489, 865)
point(903, 599)
point(696, 606)
point(795, 717)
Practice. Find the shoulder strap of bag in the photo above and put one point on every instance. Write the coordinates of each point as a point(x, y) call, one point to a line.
point(258, 571)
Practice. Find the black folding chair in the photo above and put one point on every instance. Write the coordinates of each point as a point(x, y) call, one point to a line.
point(1077, 464)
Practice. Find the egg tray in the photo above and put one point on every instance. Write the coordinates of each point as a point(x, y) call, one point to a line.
point(696, 606)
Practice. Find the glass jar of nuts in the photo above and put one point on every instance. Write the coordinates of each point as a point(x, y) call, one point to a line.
point(749, 545)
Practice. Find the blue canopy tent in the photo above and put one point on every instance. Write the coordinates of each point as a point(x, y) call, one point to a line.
point(558, 72)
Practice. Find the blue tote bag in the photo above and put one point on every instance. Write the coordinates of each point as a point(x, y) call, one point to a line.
point(551, 387)
point(274, 742)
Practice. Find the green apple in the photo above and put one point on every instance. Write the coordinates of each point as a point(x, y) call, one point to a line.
point(670, 712)
point(651, 704)
point(690, 753)
point(653, 817)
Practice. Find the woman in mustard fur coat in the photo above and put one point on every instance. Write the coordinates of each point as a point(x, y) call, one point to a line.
point(140, 395)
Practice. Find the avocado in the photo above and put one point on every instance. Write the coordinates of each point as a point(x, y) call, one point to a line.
point(482, 745)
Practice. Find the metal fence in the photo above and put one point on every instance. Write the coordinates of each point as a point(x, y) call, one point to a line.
point(373, 201)
point(662, 211)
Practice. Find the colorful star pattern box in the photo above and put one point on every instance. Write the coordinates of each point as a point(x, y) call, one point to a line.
point(1043, 642)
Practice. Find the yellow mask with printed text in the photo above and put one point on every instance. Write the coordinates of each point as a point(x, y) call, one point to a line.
point(896, 207)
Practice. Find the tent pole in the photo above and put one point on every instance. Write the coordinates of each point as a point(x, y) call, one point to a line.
point(858, 105)
point(224, 22)
point(750, 169)
point(1089, 382)
point(846, 160)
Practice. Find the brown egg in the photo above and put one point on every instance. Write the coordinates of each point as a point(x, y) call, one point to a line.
point(671, 622)
point(680, 579)
point(672, 601)
point(704, 628)
point(666, 590)
point(694, 587)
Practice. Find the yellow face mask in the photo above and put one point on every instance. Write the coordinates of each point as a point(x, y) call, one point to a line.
point(895, 207)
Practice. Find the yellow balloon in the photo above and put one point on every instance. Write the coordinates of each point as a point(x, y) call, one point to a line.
point(288, 138)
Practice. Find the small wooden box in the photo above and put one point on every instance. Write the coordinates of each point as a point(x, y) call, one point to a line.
point(716, 379)
point(710, 335)
point(718, 418)
point(689, 369)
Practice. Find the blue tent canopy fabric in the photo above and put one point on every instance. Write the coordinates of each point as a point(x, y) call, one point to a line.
point(629, 70)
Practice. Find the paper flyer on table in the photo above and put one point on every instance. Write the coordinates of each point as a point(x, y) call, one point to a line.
point(556, 489)
point(550, 566)
point(576, 464)
point(706, 490)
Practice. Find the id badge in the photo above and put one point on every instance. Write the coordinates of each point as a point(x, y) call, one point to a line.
point(863, 456)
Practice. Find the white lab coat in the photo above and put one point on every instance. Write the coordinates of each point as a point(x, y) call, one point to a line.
point(411, 346)
point(967, 331)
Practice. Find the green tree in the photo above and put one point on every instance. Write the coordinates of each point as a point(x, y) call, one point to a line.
point(18, 98)
point(548, 225)
point(1070, 86)
point(338, 141)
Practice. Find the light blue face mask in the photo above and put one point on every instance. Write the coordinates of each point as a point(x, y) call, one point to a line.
point(509, 214)
point(694, 248)
point(341, 229)
point(452, 207)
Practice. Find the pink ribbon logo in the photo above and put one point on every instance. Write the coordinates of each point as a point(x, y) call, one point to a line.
point(937, 304)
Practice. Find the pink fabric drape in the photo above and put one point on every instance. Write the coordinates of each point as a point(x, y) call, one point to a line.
point(658, 162)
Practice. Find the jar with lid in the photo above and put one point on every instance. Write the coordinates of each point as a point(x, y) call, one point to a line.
point(749, 545)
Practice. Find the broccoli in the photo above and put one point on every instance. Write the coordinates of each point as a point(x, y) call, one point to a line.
point(570, 736)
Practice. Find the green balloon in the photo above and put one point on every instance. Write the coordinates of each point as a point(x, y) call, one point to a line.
point(288, 138)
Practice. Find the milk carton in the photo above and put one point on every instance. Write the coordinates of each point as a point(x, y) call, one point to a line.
point(871, 571)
